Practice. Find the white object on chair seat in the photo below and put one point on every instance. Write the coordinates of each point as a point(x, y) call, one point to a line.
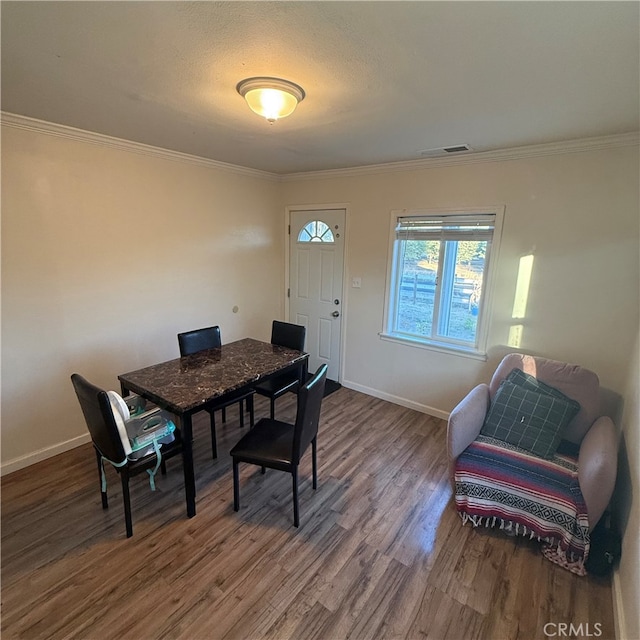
point(121, 415)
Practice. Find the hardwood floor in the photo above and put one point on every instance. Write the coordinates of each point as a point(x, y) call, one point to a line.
point(380, 552)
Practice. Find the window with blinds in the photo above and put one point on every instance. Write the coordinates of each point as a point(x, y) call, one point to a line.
point(439, 278)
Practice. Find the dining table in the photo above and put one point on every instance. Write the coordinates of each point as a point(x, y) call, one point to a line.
point(189, 384)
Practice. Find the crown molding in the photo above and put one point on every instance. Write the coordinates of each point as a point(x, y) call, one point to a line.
point(17, 121)
point(515, 153)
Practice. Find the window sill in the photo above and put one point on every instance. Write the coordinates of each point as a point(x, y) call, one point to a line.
point(455, 350)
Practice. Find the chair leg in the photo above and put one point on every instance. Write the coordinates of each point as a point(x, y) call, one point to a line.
point(241, 409)
point(296, 516)
point(224, 414)
point(103, 494)
point(236, 486)
point(314, 462)
point(124, 476)
point(273, 408)
point(214, 444)
point(251, 414)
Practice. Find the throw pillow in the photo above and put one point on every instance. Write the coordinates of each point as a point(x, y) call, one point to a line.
point(526, 381)
point(530, 419)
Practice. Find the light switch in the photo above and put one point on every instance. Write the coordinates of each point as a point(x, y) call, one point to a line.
point(356, 283)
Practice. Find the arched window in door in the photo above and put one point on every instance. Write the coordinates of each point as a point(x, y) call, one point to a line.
point(315, 231)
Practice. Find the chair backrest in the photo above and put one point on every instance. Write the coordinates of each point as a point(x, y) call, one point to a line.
point(285, 334)
point(308, 417)
point(198, 340)
point(99, 418)
point(578, 383)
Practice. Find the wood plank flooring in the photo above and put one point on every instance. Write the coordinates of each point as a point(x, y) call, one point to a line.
point(380, 552)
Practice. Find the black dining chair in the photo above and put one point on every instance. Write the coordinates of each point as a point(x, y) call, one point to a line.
point(280, 445)
point(191, 342)
point(292, 336)
point(105, 436)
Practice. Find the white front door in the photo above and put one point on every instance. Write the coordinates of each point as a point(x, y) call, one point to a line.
point(316, 260)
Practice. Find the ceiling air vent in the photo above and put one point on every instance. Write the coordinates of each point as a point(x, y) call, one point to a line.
point(443, 151)
point(457, 148)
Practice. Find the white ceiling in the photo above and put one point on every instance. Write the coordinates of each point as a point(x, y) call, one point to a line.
point(384, 80)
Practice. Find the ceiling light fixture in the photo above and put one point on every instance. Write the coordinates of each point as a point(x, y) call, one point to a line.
point(271, 98)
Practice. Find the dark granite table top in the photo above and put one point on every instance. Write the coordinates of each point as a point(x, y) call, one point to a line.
point(184, 384)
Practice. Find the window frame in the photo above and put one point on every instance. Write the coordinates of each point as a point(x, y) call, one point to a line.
point(448, 345)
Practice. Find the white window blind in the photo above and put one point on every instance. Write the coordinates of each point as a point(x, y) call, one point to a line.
point(468, 227)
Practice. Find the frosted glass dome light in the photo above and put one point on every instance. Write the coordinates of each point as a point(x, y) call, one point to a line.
point(271, 98)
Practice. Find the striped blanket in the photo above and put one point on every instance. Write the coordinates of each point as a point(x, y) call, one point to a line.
point(498, 484)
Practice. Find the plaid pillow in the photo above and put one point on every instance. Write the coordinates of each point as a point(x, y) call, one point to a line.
point(530, 415)
point(526, 381)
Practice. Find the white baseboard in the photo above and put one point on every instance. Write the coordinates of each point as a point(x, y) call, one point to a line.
point(49, 452)
point(403, 402)
point(42, 454)
point(618, 609)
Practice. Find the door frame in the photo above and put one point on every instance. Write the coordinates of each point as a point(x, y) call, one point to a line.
point(345, 266)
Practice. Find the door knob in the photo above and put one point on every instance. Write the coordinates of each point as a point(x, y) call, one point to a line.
point(335, 314)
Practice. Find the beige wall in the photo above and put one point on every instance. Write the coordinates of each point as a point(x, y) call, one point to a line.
point(577, 212)
point(106, 255)
point(627, 583)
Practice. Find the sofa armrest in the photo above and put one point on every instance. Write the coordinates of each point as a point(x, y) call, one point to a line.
point(466, 420)
point(597, 467)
